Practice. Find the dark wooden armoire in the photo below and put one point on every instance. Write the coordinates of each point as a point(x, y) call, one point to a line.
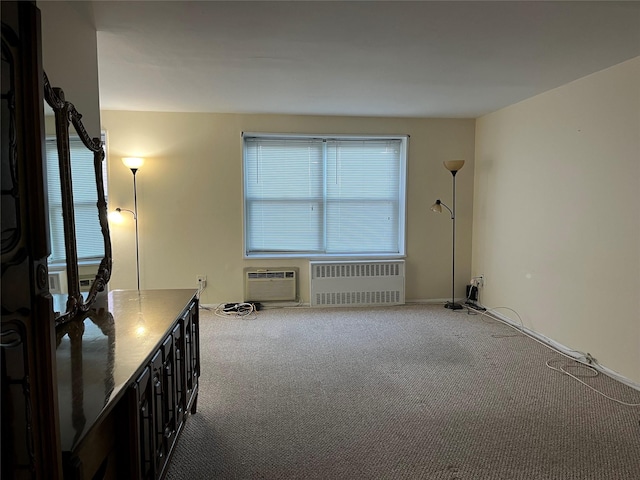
point(30, 431)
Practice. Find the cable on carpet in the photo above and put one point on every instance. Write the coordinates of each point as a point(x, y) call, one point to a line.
point(587, 363)
point(237, 310)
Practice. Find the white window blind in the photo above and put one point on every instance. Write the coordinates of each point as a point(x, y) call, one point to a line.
point(324, 196)
point(85, 198)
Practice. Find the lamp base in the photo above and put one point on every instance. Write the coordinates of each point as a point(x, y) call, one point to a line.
point(453, 306)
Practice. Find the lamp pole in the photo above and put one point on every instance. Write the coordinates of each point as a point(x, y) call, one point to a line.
point(135, 219)
point(134, 163)
point(453, 166)
point(135, 215)
point(453, 305)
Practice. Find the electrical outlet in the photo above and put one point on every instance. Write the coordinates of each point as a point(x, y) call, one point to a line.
point(201, 280)
point(481, 280)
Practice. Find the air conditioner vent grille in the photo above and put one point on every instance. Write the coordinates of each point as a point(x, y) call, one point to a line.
point(270, 285)
point(58, 282)
point(271, 274)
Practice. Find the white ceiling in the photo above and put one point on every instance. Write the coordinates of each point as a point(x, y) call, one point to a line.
point(373, 58)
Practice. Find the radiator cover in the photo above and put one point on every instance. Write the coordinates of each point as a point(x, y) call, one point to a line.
point(357, 283)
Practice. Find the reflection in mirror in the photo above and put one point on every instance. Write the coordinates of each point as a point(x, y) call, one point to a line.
point(91, 386)
point(88, 231)
point(80, 238)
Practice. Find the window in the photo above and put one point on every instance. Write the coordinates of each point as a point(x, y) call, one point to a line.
point(315, 196)
point(89, 239)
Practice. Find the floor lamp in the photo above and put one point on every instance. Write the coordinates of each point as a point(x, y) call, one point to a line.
point(134, 163)
point(453, 166)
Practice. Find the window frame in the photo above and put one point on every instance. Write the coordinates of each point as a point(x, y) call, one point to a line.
point(402, 197)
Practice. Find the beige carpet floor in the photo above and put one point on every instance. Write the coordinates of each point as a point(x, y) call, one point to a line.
point(412, 392)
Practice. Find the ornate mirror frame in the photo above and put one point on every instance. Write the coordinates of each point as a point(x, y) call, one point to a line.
point(66, 114)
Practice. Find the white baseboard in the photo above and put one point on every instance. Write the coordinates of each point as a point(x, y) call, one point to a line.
point(552, 344)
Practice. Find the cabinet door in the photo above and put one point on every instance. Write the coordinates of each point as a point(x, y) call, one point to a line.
point(195, 351)
point(157, 375)
point(180, 400)
point(145, 426)
point(169, 393)
point(188, 348)
point(192, 342)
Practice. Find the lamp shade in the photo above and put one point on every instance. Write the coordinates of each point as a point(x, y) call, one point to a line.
point(453, 165)
point(133, 162)
point(436, 207)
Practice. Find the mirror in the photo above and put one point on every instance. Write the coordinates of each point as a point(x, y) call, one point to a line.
point(88, 230)
point(82, 205)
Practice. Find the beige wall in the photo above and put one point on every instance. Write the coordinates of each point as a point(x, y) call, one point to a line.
point(70, 56)
point(70, 60)
point(190, 198)
point(556, 225)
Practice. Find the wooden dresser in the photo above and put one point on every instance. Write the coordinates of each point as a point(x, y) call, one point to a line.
point(127, 380)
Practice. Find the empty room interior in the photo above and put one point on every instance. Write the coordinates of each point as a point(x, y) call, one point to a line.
point(536, 227)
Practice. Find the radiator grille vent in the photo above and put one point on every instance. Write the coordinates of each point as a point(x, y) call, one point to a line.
point(357, 283)
point(358, 298)
point(357, 270)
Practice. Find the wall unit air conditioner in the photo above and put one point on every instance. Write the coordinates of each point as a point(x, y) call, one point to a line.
point(86, 281)
point(270, 284)
point(58, 282)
